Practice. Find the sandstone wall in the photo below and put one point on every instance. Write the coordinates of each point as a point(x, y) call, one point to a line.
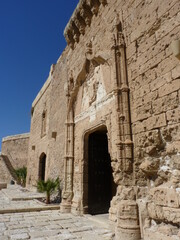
point(154, 75)
point(149, 27)
point(14, 155)
point(147, 192)
point(16, 149)
point(5, 175)
point(52, 100)
point(58, 118)
point(39, 139)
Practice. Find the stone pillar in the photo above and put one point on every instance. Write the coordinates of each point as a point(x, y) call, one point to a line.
point(121, 91)
point(68, 165)
point(127, 221)
point(125, 199)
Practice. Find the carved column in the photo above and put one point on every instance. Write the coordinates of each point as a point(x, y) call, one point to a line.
point(121, 91)
point(127, 214)
point(68, 161)
point(127, 221)
point(125, 122)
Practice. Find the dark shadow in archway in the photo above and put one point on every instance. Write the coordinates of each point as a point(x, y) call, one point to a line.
point(42, 166)
point(100, 184)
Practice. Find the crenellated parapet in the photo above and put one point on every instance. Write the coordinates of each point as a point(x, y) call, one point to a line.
point(80, 19)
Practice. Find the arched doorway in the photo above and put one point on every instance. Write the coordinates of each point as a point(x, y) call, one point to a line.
point(99, 186)
point(42, 166)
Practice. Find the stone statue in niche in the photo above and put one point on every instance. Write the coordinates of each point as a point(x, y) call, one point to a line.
point(89, 93)
point(89, 48)
point(92, 90)
point(70, 83)
point(93, 87)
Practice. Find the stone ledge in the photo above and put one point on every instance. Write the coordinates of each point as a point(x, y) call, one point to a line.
point(16, 137)
point(30, 209)
point(19, 197)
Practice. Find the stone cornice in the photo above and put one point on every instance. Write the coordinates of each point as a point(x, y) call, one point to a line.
point(16, 137)
point(80, 19)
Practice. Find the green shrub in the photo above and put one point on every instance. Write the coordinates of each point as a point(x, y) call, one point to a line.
point(48, 187)
point(21, 174)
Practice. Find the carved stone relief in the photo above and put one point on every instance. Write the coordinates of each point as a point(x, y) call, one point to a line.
point(93, 89)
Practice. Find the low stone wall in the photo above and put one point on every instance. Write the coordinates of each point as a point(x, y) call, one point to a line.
point(16, 149)
point(14, 155)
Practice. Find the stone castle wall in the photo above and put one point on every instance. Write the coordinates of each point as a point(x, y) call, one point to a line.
point(51, 100)
point(5, 175)
point(39, 138)
point(14, 155)
point(117, 73)
point(153, 74)
point(57, 119)
point(16, 149)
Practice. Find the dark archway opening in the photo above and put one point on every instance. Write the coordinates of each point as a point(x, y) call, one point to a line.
point(42, 166)
point(101, 187)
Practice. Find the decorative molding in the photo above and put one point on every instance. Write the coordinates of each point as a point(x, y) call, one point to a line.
point(80, 19)
point(88, 66)
point(125, 143)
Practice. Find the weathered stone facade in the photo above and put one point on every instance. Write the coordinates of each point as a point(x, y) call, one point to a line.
point(123, 77)
point(14, 155)
point(47, 135)
point(107, 120)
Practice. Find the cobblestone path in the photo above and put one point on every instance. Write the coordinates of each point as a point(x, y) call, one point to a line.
point(51, 225)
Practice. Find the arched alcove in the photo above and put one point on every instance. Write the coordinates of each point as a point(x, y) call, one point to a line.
point(98, 184)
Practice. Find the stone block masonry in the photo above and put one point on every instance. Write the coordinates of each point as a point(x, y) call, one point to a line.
point(107, 119)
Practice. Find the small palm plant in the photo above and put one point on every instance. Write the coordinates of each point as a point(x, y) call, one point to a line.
point(48, 186)
point(21, 174)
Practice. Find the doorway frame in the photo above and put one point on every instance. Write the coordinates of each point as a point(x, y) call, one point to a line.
point(86, 161)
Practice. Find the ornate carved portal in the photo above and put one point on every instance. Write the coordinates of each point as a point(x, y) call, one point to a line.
point(90, 88)
point(120, 137)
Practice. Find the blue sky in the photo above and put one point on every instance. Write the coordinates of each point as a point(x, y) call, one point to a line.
point(31, 39)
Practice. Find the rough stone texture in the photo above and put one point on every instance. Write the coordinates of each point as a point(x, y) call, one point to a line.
point(117, 73)
point(149, 28)
point(5, 175)
point(154, 80)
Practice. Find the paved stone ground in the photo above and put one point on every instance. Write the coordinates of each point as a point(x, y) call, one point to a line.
point(9, 206)
point(51, 225)
point(21, 217)
point(16, 192)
